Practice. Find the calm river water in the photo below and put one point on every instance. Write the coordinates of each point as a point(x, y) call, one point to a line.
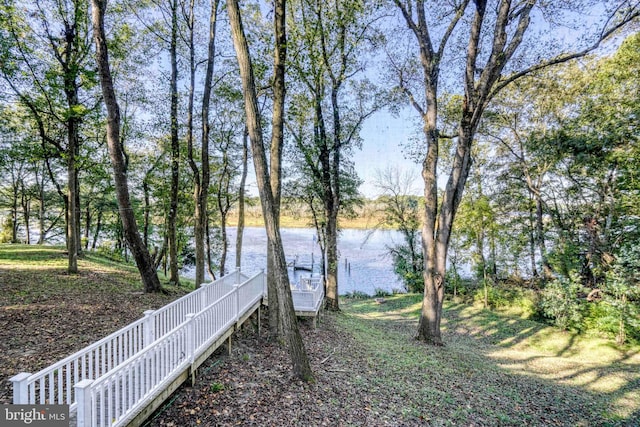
point(364, 262)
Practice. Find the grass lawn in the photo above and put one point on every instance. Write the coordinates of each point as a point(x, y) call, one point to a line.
point(495, 368)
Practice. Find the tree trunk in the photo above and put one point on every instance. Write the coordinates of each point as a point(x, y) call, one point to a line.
point(277, 142)
point(26, 213)
point(41, 210)
point(87, 225)
point(297, 352)
point(175, 151)
point(198, 229)
point(241, 191)
point(139, 250)
point(542, 246)
point(78, 207)
point(146, 224)
point(223, 198)
point(201, 216)
point(332, 264)
point(209, 265)
point(72, 232)
point(96, 233)
point(225, 244)
point(532, 239)
point(71, 71)
point(334, 197)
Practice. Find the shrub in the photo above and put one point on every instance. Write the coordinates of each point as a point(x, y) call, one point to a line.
point(109, 250)
point(560, 302)
point(619, 313)
point(6, 231)
point(407, 269)
point(379, 292)
point(357, 295)
point(491, 296)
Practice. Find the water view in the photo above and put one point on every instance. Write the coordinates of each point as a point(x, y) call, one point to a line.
point(364, 264)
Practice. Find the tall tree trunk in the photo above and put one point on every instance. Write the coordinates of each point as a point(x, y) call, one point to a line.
point(225, 243)
point(175, 151)
point(72, 232)
point(224, 203)
point(96, 232)
point(41, 210)
point(87, 225)
point(72, 242)
point(532, 239)
point(277, 135)
point(241, 191)
point(209, 265)
point(26, 214)
point(297, 352)
point(70, 67)
point(197, 231)
point(146, 224)
point(201, 182)
point(139, 250)
point(333, 196)
point(479, 86)
point(547, 271)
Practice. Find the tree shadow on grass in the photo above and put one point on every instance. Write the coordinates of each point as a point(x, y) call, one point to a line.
point(595, 366)
point(511, 374)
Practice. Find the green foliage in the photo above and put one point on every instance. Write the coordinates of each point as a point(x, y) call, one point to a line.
point(6, 232)
point(110, 250)
point(379, 292)
point(491, 295)
point(216, 387)
point(357, 295)
point(560, 302)
point(458, 286)
point(618, 312)
point(507, 297)
point(408, 266)
point(565, 257)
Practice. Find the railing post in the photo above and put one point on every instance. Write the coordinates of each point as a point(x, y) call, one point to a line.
point(238, 276)
point(20, 388)
point(84, 414)
point(149, 328)
point(264, 284)
point(236, 293)
point(191, 337)
point(204, 293)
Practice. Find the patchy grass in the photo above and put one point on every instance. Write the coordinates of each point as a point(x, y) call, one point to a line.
point(498, 369)
point(47, 314)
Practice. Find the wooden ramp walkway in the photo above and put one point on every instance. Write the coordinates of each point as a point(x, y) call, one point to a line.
point(123, 378)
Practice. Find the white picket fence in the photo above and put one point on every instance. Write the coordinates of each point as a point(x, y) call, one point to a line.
point(109, 382)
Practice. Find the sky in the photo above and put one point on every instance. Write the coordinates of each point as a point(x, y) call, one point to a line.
point(383, 139)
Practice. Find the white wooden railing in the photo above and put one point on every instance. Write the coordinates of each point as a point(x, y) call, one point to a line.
point(117, 396)
point(55, 384)
point(309, 294)
point(109, 382)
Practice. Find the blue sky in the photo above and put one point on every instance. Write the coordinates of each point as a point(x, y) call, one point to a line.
point(383, 139)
